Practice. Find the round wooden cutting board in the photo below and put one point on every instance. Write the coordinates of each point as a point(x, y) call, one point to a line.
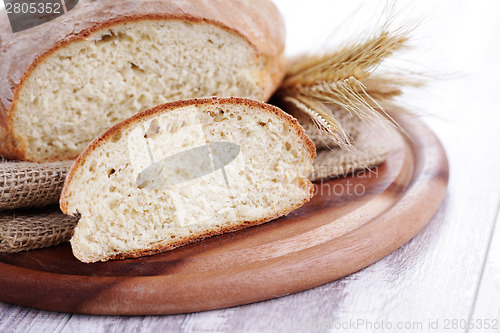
point(349, 224)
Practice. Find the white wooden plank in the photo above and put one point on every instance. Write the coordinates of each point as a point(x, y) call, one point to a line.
point(485, 314)
point(123, 324)
point(19, 319)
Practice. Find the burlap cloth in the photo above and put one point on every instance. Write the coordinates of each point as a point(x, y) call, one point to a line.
point(34, 228)
point(25, 184)
point(337, 162)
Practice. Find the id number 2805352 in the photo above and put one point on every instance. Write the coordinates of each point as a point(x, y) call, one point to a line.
point(479, 324)
point(34, 8)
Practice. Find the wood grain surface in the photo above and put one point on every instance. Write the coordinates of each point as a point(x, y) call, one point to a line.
point(350, 223)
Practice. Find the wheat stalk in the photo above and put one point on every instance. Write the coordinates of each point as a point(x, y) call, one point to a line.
point(345, 78)
point(321, 118)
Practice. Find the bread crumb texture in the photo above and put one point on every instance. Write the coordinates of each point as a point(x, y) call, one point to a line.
point(124, 216)
point(88, 85)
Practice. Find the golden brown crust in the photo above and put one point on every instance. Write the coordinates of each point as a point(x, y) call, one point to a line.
point(258, 21)
point(105, 136)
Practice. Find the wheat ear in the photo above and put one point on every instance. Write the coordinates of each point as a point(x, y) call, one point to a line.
point(322, 118)
point(344, 78)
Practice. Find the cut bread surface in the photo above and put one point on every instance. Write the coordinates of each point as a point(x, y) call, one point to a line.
point(126, 68)
point(64, 82)
point(184, 171)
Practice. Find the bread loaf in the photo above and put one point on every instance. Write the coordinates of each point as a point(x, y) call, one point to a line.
point(184, 171)
point(64, 82)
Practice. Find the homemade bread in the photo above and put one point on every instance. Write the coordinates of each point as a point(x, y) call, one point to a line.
point(184, 171)
point(64, 82)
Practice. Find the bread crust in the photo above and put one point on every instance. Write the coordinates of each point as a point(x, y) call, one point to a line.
point(257, 21)
point(150, 113)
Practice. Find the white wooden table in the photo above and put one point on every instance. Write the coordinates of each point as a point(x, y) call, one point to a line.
point(448, 276)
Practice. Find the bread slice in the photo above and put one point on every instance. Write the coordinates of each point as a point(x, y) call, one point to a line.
point(105, 60)
point(184, 171)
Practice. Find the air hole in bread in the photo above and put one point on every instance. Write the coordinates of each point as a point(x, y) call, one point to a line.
point(136, 68)
point(116, 137)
